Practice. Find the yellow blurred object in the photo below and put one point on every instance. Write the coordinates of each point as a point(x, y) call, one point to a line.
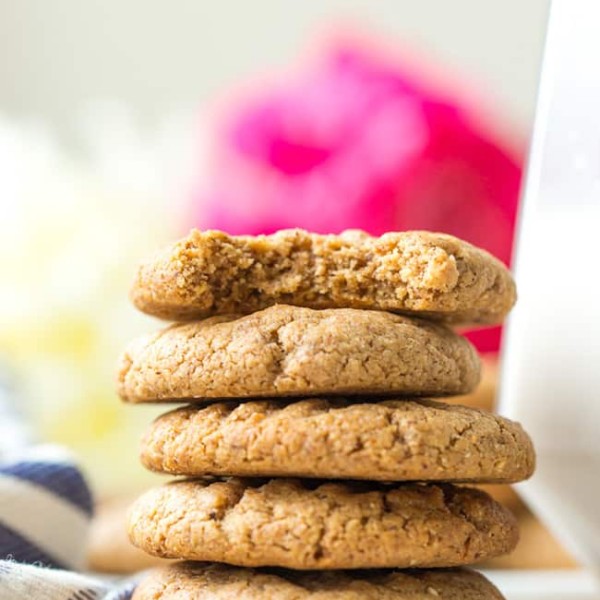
point(505, 494)
point(537, 548)
point(485, 395)
point(109, 549)
point(71, 234)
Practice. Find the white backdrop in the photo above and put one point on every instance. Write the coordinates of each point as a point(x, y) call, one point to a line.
point(159, 56)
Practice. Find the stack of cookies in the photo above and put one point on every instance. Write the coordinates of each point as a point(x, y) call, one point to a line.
point(313, 465)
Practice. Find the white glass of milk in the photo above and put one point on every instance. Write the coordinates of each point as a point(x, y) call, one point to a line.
point(551, 355)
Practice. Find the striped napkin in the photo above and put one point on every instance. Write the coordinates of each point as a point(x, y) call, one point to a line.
point(45, 512)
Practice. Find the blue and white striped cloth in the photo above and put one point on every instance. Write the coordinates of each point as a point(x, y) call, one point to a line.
point(45, 512)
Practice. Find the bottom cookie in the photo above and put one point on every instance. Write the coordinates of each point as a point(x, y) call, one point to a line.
point(196, 581)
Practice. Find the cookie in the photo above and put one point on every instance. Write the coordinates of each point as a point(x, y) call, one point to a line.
point(433, 274)
point(197, 581)
point(288, 350)
point(300, 525)
point(393, 440)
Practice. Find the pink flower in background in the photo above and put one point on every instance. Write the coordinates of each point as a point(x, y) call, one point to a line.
point(356, 143)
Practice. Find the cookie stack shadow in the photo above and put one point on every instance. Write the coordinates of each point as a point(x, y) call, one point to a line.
point(314, 463)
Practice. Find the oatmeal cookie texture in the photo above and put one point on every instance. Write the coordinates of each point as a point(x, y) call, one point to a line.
point(189, 581)
point(291, 524)
point(392, 440)
point(288, 350)
point(210, 272)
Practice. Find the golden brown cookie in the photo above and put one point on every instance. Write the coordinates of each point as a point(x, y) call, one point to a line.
point(293, 524)
point(392, 440)
point(438, 275)
point(198, 581)
point(292, 351)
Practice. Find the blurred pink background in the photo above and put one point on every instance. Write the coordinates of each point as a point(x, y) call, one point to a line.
point(357, 139)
